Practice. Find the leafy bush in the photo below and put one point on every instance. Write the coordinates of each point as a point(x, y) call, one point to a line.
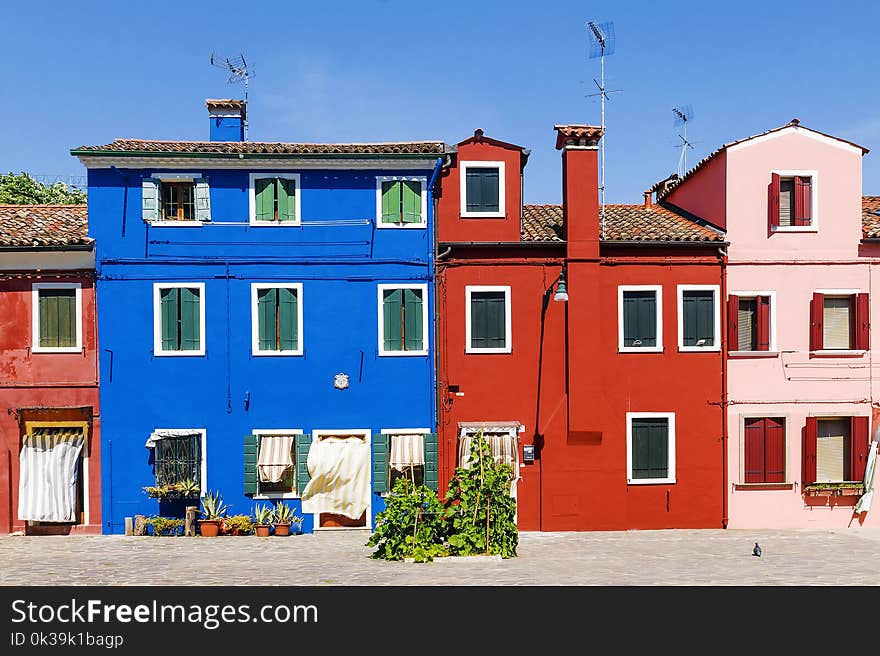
point(165, 526)
point(237, 525)
point(411, 526)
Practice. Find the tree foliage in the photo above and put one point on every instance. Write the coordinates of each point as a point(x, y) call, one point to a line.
point(411, 526)
point(24, 190)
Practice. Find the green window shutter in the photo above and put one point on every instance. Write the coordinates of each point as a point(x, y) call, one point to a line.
point(150, 201)
point(650, 448)
point(639, 318)
point(48, 319)
point(202, 200)
point(412, 201)
point(630, 318)
point(392, 319)
point(288, 319)
point(413, 318)
point(66, 317)
point(251, 455)
point(689, 329)
point(473, 190)
point(431, 461)
point(266, 304)
point(57, 309)
point(190, 319)
point(380, 463)
point(479, 321)
point(497, 320)
point(286, 199)
point(391, 202)
point(699, 318)
point(170, 318)
point(303, 442)
point(489, 190)
point(264, 198)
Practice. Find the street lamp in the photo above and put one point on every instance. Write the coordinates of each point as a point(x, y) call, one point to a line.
point(561, 291)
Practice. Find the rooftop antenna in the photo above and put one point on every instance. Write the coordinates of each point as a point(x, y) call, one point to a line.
point(601, 44)
point(682, 115)
point(238, 71)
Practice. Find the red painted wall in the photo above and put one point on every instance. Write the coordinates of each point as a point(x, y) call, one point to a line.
point(44, 380)
point(708, 199)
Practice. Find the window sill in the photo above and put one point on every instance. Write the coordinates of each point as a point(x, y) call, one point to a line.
point(753, 354)
point(275, 224)
point(178, 354)
point(398, 354)
point(284, 354)
point(176, 224)
point(842, 353)
point(794, 229)
point(763, 486)
point(640, 349)
point(650, 481)
point(275, 495)
point(483, 215)
point(487, 351)
point(401, 226)
point(699, 349)
point(60, 349)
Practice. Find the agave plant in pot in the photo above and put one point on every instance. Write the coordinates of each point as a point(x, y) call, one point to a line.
point(263, 516)
point(284, 517)
point(213, 510)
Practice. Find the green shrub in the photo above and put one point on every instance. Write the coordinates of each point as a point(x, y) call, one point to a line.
point(166, 526)
point(411, 526)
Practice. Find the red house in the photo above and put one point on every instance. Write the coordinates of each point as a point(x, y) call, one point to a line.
point(50, 473)
point(587, 349)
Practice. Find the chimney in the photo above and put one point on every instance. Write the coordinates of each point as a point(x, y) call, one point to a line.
point(580, 187)
point(228, 118)
point(648, 201)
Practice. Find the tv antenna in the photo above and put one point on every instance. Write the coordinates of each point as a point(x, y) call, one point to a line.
point(683, 115)
point(601, 45)
point(238, 72)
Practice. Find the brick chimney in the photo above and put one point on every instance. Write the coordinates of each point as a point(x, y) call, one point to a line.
point(228, 118)
point(580, 187)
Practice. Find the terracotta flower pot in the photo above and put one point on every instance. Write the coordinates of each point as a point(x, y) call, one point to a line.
point(209, 528)
point(262, 530)
point(282, 529)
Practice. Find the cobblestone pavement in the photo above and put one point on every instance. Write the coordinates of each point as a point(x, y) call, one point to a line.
point(683, 557)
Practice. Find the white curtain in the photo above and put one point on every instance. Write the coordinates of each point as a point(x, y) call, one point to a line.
point(49, 462)
point(275, 458)
point(406, 451)
point(162, 433)
point(340, 471)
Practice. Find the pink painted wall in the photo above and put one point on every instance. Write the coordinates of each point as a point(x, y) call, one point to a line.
point(705, 194)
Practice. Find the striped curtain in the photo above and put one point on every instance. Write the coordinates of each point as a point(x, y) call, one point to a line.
point(502, 445)
point(275, 458)
point(49, 461)
point(406, 451)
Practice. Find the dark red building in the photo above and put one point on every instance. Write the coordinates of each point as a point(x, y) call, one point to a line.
point(50, 460)
point(589, 347)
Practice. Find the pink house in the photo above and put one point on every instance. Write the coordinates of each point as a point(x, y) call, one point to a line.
point(802, 260)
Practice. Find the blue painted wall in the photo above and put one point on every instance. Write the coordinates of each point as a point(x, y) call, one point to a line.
point(228, 391)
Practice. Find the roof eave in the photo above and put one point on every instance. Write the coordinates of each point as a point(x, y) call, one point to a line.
point(77, 152)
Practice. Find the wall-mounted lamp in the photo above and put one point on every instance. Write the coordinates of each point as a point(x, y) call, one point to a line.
point(561, 291)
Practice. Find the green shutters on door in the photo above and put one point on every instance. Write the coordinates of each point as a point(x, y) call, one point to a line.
point(170, 318)
point(488, 320)
point(412, 201)
point(380, 463)
point(303, 443)
point(412, 312)
point(251, 455)
point(650, 448)
point(431, 461)
point(401, 201)
point(392, 319)
point(264, 196)
point(639, 318)
point(698, 321)
point(58, 318)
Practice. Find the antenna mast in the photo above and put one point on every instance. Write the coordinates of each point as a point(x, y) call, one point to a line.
point(238, 72)
point(601, 44)
point(682, 115)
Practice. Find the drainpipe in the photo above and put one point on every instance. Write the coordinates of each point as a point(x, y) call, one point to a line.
point(722, 256)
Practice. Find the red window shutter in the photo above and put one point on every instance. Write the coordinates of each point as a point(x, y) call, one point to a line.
point(763, 321)
point(861, 322)
point(817, 309)
point(773, 200)
point(732, 323)
point(774, 450)
point(803, 198)
point(753, 434)
point(858, 442)
point(808, 451)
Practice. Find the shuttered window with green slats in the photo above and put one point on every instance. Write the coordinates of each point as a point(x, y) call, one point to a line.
point(639, 318)
point(302, 442)
point(488, 320)
point(181, 318)
point(275, 200)
point(698, 318)
point(402, 202)
point(58, 318)
point(384, 477)
point(403, 316)
point(482, 189)
point(277, 319)
point(650, 448)
point(252, 483)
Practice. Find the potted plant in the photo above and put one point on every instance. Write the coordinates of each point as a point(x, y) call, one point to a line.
point(263, 516)
point(237, 525)
point(213, 509)
point(283, 518)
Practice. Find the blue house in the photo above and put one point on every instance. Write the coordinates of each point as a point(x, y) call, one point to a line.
point(266, 321)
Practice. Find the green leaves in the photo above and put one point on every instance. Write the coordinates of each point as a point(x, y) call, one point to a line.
point(24, 190)
point(410, 526)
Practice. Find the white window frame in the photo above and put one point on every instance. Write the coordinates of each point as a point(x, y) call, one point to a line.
point(658, 291)
point(35, 317)
point(204, 465)
point(840, 292)
point(381, 319)
point(670, 417)
point(716, 338)
point(175, 177)
point(368, 438)
point(773, 348)
point(157, 319)
point(477, 164)
point(423, 180)
point(255, 317)
point(742, 448)
point(260, 432)
point(814, 199)
point(252, 200)
point(508, 328)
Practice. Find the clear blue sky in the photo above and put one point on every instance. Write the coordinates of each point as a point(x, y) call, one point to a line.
point(80, 73)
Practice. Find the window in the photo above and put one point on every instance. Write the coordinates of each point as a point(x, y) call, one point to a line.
point(698, 318)
point(404, 452)
point(403, 321)
point(750, 323)
point(835, 449)
point(792, 200)
point(56, 317)
point(482, 189)
point(179, 456)
point(276, 319)
point(176, 198)
point(764, 449)
point(503, 441)
point(401, 202)
point(179, 319)
point(839, 321)
point(487, 321)
point(274, 199)
point(270, 463)
point(650, 447)
point(639, 321)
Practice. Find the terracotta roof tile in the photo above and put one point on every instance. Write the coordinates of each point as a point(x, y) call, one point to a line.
point(622, 223)
point(43, 225)
point(265, 148)
point(871, 217)
point(589, 135)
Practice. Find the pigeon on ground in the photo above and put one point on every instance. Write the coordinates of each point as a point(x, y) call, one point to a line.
point(756, 551)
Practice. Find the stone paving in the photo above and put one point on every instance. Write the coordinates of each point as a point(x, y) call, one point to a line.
point(682, 557)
